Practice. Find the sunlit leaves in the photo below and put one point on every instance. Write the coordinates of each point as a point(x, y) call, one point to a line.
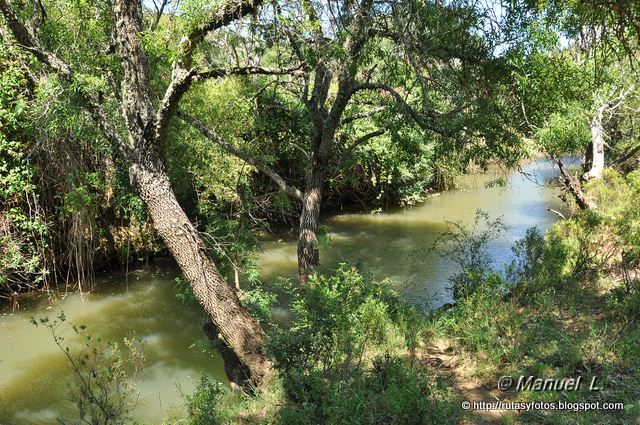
point(564, 132)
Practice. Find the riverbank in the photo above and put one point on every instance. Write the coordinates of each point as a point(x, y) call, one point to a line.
point(356, 237)
point(567, 308)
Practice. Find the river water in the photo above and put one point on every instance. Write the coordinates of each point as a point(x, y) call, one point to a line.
point(34, 374)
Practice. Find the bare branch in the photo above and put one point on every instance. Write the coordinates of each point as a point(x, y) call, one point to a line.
point(29, 43)
point(214, 137)
point(573, 186)
point(556, 212)
point(136, 104)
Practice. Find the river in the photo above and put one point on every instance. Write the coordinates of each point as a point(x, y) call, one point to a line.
point(34, 374)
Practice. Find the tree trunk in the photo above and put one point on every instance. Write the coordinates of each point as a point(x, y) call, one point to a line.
point(573, 186)
point(238, 329)
point(308, 252)
point(147, 132)
point(597, 149)
point(587, 162)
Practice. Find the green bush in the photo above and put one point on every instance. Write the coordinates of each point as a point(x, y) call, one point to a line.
point(467, 247)
point(343, 357)
point(203, 406)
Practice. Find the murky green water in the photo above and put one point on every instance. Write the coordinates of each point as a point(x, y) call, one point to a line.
point(396, 244)
point(34, 373)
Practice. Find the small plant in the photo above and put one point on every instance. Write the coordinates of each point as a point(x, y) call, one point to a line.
point(203, 404)
point(467, 247)
point(103, 373)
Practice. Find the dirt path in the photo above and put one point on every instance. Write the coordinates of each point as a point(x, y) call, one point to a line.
point(441, 356)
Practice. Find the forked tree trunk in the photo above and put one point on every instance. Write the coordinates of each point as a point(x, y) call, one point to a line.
point(308, 252)
point(147, 132)
point(238, 329)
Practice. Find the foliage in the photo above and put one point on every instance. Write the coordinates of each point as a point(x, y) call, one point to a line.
point(89, 207)
point(340, 358)
point(467, 247)
point(203, 405)
point(24, 234)
point(564, 132)
point(104, 373)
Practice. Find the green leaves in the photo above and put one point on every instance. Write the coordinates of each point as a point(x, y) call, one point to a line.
point(565, 132)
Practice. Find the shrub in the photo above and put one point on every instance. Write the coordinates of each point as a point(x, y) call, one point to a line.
point(104, 375)
point(342, 358)
point(467, 247)
point(203, 405)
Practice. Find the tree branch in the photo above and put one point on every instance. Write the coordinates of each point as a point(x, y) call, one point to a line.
point(363, 139)
point(626, 155)
point(183, 75)
point(229, 11)
point(214, 137)
point(137, 107)
point(248, 70)
point(361, 115)
point(344, 156)
point(417, 117)
point(159, 12)
point(64, 71)
point(182, 79)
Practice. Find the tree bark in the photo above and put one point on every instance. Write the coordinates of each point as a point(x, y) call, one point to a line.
point(238, 329)
point(308, 251)
point(596, 155)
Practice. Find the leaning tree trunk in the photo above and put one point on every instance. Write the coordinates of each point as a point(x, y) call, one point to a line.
point(572, 185)
point(147, 133)
point(236, 326)
point(596, 155)
point(308, 252)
